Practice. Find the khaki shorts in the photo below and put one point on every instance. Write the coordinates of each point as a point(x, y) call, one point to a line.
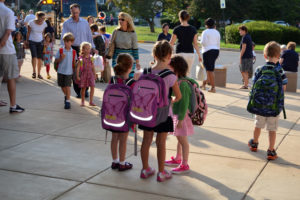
point(272, 122)
point(9, 66)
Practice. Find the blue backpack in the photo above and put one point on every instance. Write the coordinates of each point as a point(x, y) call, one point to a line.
point(267, 96)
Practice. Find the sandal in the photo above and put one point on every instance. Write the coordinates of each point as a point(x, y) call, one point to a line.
point(34, 75)
point(92, 104)
point(244, 87)
point(212, 90)
point(40, 77)
point(3, 103)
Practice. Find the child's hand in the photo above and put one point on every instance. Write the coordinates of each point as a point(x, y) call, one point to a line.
point(179, 125)
point(62, 56)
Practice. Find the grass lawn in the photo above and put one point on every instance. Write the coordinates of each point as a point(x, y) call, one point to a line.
point(144, 34)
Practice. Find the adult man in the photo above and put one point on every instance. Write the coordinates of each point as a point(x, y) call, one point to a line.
point(8, 60)
point(29, 17)
point(80, 28)
point(246, 56)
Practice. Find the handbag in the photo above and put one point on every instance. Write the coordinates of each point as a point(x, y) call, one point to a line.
point(98, 63)
point(112, 45)
point(200, 72)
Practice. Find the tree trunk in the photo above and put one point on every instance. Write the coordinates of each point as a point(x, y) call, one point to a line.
point(151, 24)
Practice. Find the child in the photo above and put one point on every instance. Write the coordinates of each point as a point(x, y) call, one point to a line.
point(122, 70)
point(86, 72)
point(162, 52)
point(99, 41)
point(20, 49)
point(183, 123)
point(65, 69)
point(48, 53)
point(271, 54)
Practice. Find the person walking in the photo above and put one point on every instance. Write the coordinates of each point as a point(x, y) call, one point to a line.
point(210, 41)
point(29, 17)
point(246, 56)
point(34, 39)
point(124, 40)
point(8, 59)
point(187, 41)
point(50, 29)
point(80, 28)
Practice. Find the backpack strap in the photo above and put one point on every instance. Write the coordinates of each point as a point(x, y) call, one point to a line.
point(129, 81)
point(164, 73)
point(113, 80)
point(73, 60)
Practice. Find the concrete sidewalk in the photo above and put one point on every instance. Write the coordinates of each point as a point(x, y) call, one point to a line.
point(51, 153)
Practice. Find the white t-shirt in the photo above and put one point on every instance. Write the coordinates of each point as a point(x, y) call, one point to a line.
point(36, 33)
point(29, 18)
point(7, 22)
point(210, 39)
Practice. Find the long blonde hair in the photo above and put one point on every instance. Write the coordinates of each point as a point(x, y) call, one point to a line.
point(82, 45)
point(128, 19)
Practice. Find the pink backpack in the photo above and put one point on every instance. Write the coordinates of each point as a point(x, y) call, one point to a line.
point(150, 101)
point(198, 101)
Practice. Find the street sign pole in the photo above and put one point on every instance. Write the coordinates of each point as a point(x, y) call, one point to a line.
point(223, 6)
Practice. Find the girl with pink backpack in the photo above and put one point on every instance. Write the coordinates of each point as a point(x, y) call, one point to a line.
point(162, 52)
point(182, 121)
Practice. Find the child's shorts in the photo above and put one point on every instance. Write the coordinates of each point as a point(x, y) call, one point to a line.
point(272, 122)
point(166, 126)
point(64, 80)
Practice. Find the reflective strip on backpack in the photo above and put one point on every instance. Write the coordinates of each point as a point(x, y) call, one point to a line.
point(141, 118)
point(114, 125)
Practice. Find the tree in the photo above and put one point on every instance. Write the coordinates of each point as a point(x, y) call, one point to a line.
point(145, 9)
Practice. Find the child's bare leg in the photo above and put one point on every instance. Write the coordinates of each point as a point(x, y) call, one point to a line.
point(82, 93)
point(92, 95)
point(122, 146)
point(256, 134)
point(161, 150)
point(179, 151)
point(67, 93)
point(272, 139)
point(147, 140)
point(63, 89)
point(114, 146)
point(185, 149)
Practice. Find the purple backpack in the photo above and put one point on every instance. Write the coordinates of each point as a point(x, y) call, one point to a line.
point(115, 106)
point(150, 101)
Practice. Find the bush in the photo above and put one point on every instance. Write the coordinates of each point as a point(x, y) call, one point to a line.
point(262, 32)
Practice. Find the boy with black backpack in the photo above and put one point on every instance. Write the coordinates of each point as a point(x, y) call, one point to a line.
point(267, 97)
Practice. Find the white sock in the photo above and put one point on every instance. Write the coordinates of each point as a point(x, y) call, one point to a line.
point(68, 101)
point(116, 161)
point(122, 163)
point(15, 106)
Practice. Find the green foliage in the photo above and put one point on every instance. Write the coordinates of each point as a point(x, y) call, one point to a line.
point(262, 32)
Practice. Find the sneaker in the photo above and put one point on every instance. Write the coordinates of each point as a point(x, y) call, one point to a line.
point(67, 105)
point(272, 155)
point(115, 165)
point(146, 173)
point(163, 176)
point(253, 146)
point(18, 109)
point(125, 167)
point(48, 76)
point(172, 162)
point(181, 169)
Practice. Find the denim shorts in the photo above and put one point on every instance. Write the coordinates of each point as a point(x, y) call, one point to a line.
point(36, 49)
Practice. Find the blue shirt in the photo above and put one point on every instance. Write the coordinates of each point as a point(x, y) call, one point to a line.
point(66, 65)
point(81, 31)
point(162, 36)
point(246, 39)
point(290, 60)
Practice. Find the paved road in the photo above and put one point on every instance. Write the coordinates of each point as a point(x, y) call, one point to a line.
point(50, 153)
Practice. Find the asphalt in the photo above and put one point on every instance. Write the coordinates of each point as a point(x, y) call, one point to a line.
point(51, 153)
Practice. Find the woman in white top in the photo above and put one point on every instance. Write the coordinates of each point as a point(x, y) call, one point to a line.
point(34, 39)
point(210, 41)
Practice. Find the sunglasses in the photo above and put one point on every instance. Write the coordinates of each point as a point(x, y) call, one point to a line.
point(122, 20)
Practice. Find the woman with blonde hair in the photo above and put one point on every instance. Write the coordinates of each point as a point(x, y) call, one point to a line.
point(124, 40)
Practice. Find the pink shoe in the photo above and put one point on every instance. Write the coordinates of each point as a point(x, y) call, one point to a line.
point(172, 162)
point(163, 176)
point(181, 169)
point(146, 173)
